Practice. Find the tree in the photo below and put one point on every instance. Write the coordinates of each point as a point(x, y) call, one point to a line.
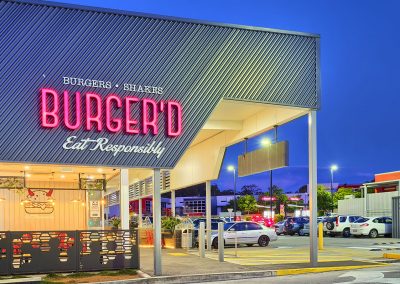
point(303, 189)
point(342, 192)
point(247, 203)
point(251, 189)
point(324, 199)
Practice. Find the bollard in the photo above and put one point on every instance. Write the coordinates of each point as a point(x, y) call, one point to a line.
point(236, 245)
point(187, 238)
point(221, 241)
point(320, 236)
point(202, 252)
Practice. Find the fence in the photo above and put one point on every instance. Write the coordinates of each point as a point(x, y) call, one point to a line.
point(30, 252)
point(377, 204)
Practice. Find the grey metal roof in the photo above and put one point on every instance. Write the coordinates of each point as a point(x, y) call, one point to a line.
point(196, 63)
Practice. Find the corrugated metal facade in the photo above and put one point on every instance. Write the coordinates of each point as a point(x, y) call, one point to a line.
point(197, 64)
point(396, 217)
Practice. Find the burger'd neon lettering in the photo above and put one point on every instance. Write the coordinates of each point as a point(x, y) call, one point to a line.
point(100, 113)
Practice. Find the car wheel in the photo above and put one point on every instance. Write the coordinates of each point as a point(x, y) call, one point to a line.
point(373, 234)
point(263, 241)
point(346, 233)
point(301, 233)
point(330, 225)
point(249, 245)
point(215, 243)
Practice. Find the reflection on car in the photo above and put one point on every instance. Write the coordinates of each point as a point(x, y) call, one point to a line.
point(248, 233)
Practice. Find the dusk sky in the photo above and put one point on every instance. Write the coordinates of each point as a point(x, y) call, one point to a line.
point(358, 124)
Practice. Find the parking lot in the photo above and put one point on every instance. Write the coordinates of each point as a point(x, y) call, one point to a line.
point(295, 249)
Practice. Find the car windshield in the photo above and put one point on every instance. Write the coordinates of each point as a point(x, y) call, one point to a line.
point(228, 225)
point(361, 220)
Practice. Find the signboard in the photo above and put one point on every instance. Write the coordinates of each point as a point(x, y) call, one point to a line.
point(94, 208)
point(264, 159)
point(131, 90)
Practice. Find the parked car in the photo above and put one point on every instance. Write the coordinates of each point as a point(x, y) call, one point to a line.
point(293, 225)
point(339, 225)
point(248, 233)
point(280, 228)
point(372, 226)
point(196, 222)
point(306, 227)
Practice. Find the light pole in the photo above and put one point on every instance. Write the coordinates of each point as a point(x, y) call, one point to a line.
point(233, 169)
point(333, 168)
point(266, 142)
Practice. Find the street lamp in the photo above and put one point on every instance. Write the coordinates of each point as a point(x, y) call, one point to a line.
point(333, 168)
point(266, 142)
point(232, 169)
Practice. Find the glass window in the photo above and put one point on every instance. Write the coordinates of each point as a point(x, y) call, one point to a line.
point(376, 220)
point(253, 226)
point(388, 221)
point(361, 220)
point(228, 225)
point(240, 227)
point(342, 219)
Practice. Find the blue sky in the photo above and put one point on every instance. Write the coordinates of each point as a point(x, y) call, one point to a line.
point(358, 124)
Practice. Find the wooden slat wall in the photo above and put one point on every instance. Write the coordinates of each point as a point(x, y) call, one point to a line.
point(67, 215)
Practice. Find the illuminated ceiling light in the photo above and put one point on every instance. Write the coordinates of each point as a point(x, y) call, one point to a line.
point(90, 177)
point(28, 175)
point(99, 170)
point(75, 201)
point(266, 142)
point(27, 167)
point(83, 203)
point(62, 176)
point(2, 199)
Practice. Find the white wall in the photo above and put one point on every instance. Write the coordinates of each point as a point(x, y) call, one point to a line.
point(378, 204)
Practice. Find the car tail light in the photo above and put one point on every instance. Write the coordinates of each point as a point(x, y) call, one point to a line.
point(337, 221)
point(364, 225)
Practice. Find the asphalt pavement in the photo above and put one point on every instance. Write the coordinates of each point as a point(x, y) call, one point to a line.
point(389, 274)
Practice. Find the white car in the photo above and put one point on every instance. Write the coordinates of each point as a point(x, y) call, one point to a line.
point(248, 233)
point(339, 225)
point(372, 226)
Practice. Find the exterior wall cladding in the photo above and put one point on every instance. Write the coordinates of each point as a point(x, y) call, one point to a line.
point(196, 63)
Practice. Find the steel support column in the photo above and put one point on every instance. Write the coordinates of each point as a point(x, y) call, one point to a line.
point(208, 214)
point(124, 198)
point(173, 202)
point(312, 173)
point(140, 212)
point(157, 221)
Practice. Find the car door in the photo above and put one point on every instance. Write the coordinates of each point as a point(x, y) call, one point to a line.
point(388, 225)
point(230, 235)
point(379, 224)
point(253, 233)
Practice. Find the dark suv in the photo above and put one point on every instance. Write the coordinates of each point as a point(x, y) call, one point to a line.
point(293, 225)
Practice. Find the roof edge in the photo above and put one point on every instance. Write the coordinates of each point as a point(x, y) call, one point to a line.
point(162, 17)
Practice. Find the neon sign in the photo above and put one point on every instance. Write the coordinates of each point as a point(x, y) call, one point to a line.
point(89, 111)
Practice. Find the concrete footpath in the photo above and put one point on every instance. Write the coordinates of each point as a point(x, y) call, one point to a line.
point(178, 266)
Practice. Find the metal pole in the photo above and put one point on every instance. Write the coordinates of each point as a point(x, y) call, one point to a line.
point(234, 194)
point(312, 173)
point(270, 194)
point(208, 214)
point(173, 202)
point(140, 213)
point(124, 201)
point(202, 252)
point(331, 182)
point(157, 221)
point(220, 241)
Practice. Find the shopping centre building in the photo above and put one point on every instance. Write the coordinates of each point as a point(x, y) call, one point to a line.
point(95, 101)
